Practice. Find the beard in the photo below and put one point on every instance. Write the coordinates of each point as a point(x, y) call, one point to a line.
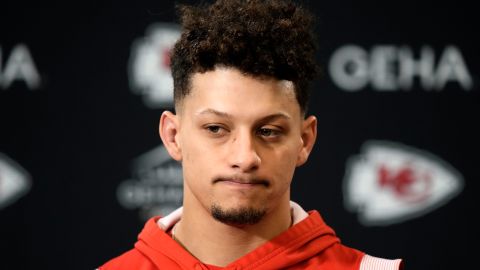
point(237, 217)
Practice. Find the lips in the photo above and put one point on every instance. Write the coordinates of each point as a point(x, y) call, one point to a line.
point(242, 181)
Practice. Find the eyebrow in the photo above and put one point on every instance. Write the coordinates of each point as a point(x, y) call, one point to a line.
point(229, 116)
point(215, 112)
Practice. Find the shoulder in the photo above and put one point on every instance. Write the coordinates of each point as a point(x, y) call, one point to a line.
point(131, 259)
point(344, 257)
point(374, 263)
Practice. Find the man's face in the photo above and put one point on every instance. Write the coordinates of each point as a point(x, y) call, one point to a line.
point(240, 140)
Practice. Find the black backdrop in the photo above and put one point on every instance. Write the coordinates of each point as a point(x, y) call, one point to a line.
point(79, 130)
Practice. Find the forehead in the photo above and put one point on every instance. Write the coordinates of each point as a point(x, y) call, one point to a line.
point(229, 90)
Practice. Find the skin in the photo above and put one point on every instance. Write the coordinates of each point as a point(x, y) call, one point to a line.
point(239, 139)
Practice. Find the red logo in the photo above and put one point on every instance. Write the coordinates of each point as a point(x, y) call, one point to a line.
point(406, 183)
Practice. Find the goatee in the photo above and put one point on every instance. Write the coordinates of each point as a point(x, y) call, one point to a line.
point(237, 217)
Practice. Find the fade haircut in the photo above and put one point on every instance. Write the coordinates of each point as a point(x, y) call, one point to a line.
point(260, 38)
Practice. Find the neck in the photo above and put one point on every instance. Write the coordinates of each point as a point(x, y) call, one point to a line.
point(219, 244)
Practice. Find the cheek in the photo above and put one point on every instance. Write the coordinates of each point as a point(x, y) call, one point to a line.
point(196, 173)
point(199, 160)
point(283, 163)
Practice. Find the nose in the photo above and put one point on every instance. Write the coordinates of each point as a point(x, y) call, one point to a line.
point(243, 153)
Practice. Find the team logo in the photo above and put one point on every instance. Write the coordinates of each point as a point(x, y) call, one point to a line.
point(14, 181)
point(149, 65)
point(389, 183)
point(156, 186)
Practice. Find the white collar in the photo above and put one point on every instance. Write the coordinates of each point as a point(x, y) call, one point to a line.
point(167, 222)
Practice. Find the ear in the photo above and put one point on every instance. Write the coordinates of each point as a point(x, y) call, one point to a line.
point(169, 131)
point(309, 135)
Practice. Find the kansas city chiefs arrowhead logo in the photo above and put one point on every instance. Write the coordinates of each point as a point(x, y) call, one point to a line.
point(14, 181)
point(149, 65)
point(390, 183)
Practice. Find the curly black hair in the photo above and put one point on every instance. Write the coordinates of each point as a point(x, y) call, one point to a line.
point(261, 38)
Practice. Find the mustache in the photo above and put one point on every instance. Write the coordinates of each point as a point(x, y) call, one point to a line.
point(242, 179)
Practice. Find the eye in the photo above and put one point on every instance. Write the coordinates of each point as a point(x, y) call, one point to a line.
point(213, 129)
point(216, 130)
point(268, 132)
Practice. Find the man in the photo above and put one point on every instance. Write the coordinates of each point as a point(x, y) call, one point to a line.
point(241, 70)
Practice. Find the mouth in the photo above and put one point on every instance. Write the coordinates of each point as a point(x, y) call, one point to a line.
point(242, 182)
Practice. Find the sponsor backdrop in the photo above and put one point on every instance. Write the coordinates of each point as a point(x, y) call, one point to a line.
point(394, 171)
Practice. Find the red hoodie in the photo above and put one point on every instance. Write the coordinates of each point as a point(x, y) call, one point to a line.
point(308, 244)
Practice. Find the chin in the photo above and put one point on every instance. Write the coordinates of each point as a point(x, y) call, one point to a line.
point(238, 215)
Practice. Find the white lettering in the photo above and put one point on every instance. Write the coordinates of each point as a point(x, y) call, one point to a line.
point(392, 68)
point(19, 66)
point(382, 68)
point(409, 68)
point(451, 67)
point(349, 68)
